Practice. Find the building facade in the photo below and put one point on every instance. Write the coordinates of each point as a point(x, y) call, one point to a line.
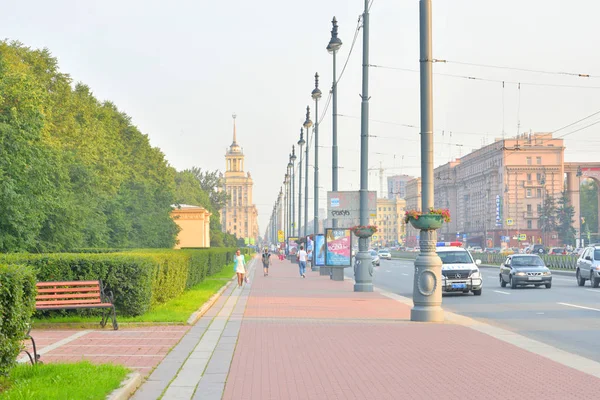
point(390, 222)
point(397, 186)
point(496, 194)
point(413, 202)
point(194, 224)
point(240, 216)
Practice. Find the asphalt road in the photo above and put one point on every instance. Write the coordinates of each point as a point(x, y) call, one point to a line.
point(566, 316)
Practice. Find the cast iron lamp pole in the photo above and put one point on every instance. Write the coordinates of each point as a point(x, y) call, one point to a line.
point(286, 208)
point(427, 289)
point(316, 95)
point(579, 175)
point(301, 143)
point(363, 267)
point(334, 45)
point(307, 124)
point(292, 165)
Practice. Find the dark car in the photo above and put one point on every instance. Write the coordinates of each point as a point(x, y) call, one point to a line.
point(538, 249)
point(523, 270)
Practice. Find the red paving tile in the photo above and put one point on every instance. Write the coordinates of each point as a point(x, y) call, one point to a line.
point(306, 348)
point(140, 348)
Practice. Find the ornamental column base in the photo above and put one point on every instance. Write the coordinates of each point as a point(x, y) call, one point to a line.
point(363, 267)
point(427, 289)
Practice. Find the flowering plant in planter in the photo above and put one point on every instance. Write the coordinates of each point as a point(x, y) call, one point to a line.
point(415, 214)
point(363, 231)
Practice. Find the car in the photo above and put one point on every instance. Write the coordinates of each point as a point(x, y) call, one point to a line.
point(538, 249)
point(558, 251)
point(375, 258)
point(588, 266)
point(525, 269)
point(476, 249)
point(385, 254)
point(459, 272)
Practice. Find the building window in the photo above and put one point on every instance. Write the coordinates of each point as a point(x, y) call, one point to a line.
point(538, 160)
point(539, 192)
point(539, 224)
point(538, 177)
point(529, 178)
point(528, 192)
point(528, 160)
point(539, 208)
point(529, 224)
point(528, 208)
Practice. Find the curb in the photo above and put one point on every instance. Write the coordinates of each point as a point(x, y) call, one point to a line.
point(128, 387)
point(207, 305)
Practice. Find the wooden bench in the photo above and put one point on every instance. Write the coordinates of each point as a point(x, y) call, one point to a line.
point(74, 295)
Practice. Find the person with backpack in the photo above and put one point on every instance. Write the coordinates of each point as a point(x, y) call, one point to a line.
point(266, 260)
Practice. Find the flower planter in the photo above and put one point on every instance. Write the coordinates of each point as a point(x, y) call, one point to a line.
point(363, 233)
point(427, 222)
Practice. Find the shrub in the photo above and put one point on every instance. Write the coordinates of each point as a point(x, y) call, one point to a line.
point(17, 304)
point(139, 279)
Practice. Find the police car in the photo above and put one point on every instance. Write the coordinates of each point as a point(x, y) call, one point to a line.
point(459, 272)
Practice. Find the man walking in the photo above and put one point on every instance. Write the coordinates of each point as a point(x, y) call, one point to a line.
point(266, 260)
point(302, 257)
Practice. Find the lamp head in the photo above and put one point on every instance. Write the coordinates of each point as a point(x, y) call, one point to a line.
point(316, 93)
point(293, 157)
point(335, 43)
point(301, 142)
point(308, 123)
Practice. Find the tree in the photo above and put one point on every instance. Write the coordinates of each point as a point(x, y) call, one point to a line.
point(565, 213)
point(548, 216)
point(589, 205)
point(211, 182)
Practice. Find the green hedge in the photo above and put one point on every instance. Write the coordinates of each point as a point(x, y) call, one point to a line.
point(17, 304)
point(139, 279)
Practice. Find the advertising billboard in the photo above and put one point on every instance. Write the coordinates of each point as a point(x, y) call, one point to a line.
point(319, 254)
point(292, 245)
point(338, 243)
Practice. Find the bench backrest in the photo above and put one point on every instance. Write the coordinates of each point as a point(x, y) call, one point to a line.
point(68, 293)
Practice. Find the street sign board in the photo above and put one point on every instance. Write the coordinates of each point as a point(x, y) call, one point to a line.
point(510, 221)
point(280, 237)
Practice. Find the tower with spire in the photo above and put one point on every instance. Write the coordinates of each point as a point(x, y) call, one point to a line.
point(240, 216)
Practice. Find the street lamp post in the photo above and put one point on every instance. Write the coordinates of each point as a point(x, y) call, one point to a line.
point(316, 95)
point(301, 143)
point(427, 293)
point(363, 267)
point(334, 45)
point(579, 175)
point(307, 124)
point(286, 208)
point(292, 165)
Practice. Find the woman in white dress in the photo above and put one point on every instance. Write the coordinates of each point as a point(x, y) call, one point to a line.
point(239, 264)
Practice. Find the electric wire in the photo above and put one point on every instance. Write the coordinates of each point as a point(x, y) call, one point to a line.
point(576, 74)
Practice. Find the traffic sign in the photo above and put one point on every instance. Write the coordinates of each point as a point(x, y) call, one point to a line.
point(522, 236)
point(280, 237)
point(510, 221)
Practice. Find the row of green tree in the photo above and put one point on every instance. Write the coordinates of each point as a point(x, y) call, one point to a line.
point(557, 214)
point(75, 172)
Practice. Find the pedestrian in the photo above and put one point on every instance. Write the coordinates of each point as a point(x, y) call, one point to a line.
point(239, 264)
point(281, 254)
point(302, 257)
point(266, 260)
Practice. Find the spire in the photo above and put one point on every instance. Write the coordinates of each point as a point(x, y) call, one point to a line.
point(234, 133)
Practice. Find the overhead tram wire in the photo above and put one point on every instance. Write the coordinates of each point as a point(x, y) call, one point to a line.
point(475, 78)
point(538, 71)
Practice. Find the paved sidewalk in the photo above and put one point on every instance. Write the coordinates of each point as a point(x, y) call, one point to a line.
point(285, 337)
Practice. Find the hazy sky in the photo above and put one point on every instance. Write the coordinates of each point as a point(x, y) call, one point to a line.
point(181, 68)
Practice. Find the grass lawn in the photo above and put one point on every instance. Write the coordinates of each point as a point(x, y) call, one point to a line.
point(81, 380)
point(176, 310)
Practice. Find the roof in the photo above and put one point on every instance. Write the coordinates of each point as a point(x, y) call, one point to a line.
point(450, 248)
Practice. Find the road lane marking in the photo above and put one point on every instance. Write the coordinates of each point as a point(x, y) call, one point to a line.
point(576, 306)
point(404, 274)
point(593, 290)
point(501, 292)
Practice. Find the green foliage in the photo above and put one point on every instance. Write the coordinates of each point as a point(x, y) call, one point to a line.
point(548, 215)
point(589, 205)
point(17, 304)
point(74, 172)
point(211, 182)
point(565, 213)
point(58, 381)
point(139, 279)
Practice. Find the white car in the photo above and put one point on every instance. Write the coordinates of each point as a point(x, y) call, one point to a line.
point(385, 254)
point(459, 272)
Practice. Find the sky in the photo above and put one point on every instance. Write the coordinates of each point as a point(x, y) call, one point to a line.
point(180, 69)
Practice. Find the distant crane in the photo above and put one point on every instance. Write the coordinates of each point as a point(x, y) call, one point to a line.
point(381, 169)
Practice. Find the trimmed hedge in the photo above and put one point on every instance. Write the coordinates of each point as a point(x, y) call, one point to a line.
point(139, 279)
point(17, 304)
